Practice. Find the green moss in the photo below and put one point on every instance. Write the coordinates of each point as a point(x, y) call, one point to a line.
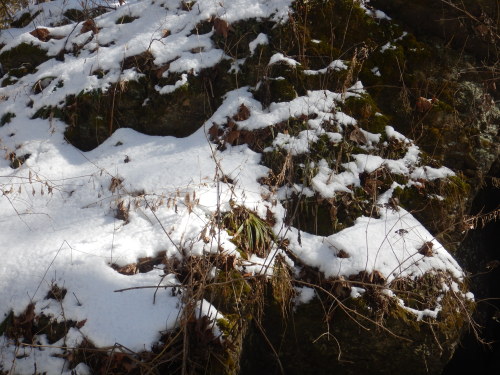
point(309, 216)
point(236, 42)
point(6, 117)
point(24, 69)
point(6, 323)
point(409, 197)
point(455, 187)
point(274, 160)
point(25, 19)
point(281, 91)
point(228, 323)
point(78, 15)
point(22, 59)
point(7, 81)
point(125, 19)
point(232, 292)
point(448, 199)
point(74, 15)
point(364, 109)
point(349, 339)
point(93, 116)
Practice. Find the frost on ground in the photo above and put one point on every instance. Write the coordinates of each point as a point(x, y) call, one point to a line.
point(69, 220)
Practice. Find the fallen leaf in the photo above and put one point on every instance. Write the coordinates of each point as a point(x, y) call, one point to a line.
point(221, 27)
point(423, 104)
point(243, 113)
point(41, 34)
point(426, 249)
point(81, 323)
point(89, 25)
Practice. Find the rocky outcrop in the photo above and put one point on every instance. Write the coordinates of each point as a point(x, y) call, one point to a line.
point(335, 80)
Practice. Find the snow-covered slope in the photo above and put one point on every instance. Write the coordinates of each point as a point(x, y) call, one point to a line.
point(72, 219)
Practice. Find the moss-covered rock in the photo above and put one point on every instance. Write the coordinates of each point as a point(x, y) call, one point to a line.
point(22, 59)
point(24, 19)
point(369, 334)
point(93, 116)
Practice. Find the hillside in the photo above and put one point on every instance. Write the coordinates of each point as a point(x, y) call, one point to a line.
point(234, 187)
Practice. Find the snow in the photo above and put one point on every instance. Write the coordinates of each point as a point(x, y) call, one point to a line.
point(58, 220)
point(375, 13)
point(334, 65)
point(260, 40)
point(279, 57)
point(304, 295)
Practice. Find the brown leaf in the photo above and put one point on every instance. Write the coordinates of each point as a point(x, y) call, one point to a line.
point(377, 277)
point(426, 249)
point(231, 124)
point(89, 25)
point(41, 33)
point(248, 137)
point(129, 269)
point(270, 219)
point(159, 72)
point(221, 27)
point(333, 212)
point(122, 211)
point(213, 132)
point(232, 136)
point(341, 287)
point(243, 113)
point(482, 30)
point(115, 184)
point(81, 323)
point(423, 104)
point(343, 254)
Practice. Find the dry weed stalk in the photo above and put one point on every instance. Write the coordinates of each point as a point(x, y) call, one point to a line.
point(479, 221)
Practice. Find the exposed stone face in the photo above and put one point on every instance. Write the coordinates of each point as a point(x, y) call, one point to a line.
point(343, 342)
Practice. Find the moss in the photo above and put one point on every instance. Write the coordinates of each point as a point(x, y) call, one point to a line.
point(360, 336)
point(448, 199)
point(6, 323)
point(93, 116)
point(281, 91)
point(25, 19)
point(364, 109)
point(21, 71)
point(7, 81)
point(232, 293)
point(324, 217)
point(74, 15)
point(309, 216)
point(78, 15)
point(22, 59)
point(275, 160)
point(6, 117)
point(235, 42)
point(125, 19)
point(239, 300)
